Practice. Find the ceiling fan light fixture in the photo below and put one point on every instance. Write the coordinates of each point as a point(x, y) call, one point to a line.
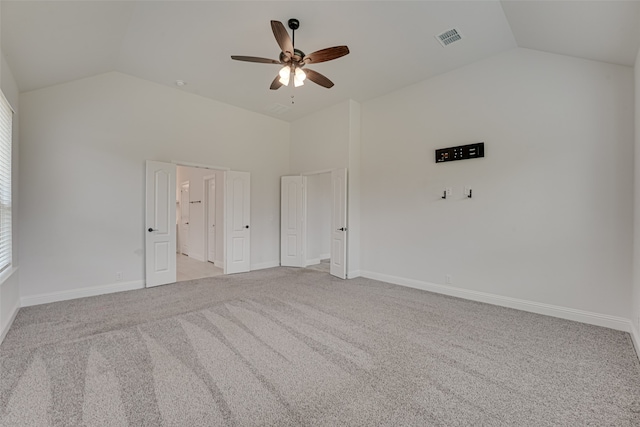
point(285, 74)
point(298, 77)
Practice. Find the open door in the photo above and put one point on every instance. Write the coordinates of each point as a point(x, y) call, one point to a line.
point(160, 226)
point(292, 227)
point(237, 215)
point(185, 209)
point(339, 223)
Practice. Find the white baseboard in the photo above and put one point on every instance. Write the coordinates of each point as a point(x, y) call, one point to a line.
point(197, 257)
point(325, 256)
point(81, 293)
point(605, 320)
point(218, 263)
point(5, 328)
point(353, 274)
point(314, 261)
point(263, 265)
point(635, 337)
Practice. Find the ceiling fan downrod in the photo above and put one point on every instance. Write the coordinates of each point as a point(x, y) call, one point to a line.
point(294, 24)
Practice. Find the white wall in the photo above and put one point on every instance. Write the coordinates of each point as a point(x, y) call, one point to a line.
point(318, 217)
point(83, 149)
point(354, 188)
point(9, 280)
point(197, 220)
point(551, 216)
point(320, 141)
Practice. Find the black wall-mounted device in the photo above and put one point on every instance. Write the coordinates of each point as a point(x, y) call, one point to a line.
point(462, 152)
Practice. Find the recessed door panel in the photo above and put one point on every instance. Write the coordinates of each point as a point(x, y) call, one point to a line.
point(162, 257)
point(238, 204)
point(292, 246)
point(238, 250)
point(163, 195)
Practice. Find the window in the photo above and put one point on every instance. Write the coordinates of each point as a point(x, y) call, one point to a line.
point(6, 118)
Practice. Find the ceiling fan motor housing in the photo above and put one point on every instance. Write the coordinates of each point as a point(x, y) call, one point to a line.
point(298, 56)
point(294, 24)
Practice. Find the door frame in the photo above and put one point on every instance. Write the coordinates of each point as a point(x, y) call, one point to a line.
point(205, 197)
point(183, 236)
point(213, 169)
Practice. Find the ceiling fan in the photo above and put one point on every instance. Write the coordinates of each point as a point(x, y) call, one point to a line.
point(293, 60)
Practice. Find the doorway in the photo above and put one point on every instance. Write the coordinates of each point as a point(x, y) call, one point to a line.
point(314, 221)
point(163, 209)
point(196, 213)
point(318, 244)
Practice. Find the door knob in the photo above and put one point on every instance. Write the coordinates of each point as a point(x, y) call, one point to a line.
point(342, 229)
point(246, 226)
point(152, 229)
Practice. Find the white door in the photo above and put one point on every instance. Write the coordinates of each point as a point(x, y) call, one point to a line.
point(237, 215)
point(211, 220)
point(160, 226)
point(339, 223)
point(184, 217)
point(292, 229)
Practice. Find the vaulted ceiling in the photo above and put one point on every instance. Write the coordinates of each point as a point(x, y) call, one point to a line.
point(392, 43)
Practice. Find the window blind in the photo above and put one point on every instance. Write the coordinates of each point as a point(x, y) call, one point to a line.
point(6, 118)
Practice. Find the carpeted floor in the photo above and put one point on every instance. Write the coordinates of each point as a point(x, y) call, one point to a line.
point(296, 347)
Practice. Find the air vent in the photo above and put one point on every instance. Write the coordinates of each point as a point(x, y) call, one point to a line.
point(277, 108)
point(448, 37)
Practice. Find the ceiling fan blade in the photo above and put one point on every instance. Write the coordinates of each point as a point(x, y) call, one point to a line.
point(318, 78)
point(326, 54)
point(275, 84)
point(282, 37)
point(255, 59)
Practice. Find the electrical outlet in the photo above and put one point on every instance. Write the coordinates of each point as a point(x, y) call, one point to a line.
point(119, 276)
point(448, 191)
point(467, 190)
point(447, 279)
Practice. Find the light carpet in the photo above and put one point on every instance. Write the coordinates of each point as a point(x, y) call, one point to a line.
point(297, 347)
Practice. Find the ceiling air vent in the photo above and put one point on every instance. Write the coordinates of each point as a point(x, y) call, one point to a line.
point(448, 37)
point(277, 108)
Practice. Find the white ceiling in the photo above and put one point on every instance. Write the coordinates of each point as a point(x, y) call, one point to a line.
point(392, 43)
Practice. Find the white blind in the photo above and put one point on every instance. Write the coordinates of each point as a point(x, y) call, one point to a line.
point(6, 118)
